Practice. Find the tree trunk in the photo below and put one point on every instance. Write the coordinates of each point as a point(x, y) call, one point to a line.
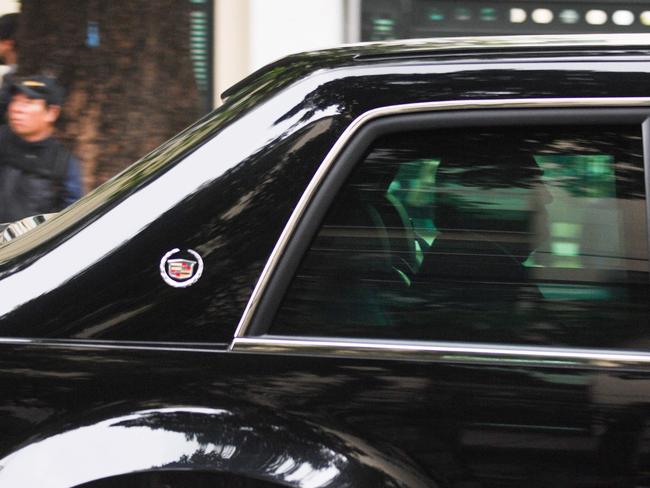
point(126, 69)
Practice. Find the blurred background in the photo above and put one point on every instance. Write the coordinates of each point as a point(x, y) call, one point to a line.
point(137, 72)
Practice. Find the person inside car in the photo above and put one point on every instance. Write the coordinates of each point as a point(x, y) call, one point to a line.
point(491, 217)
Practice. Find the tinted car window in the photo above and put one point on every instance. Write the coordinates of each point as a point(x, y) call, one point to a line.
point(525, 236)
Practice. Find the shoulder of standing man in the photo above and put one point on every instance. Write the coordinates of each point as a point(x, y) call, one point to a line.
point(72, 186)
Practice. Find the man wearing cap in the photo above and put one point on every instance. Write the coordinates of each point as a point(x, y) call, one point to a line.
point(38, 175)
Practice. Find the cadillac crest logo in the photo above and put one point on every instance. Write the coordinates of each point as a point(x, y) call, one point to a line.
point(183, 270)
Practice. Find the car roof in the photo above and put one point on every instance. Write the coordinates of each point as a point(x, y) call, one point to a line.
point(302, 64)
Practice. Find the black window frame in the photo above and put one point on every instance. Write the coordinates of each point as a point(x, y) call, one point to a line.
point(352, 155)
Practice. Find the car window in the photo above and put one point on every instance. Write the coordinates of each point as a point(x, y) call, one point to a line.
point(532, 235)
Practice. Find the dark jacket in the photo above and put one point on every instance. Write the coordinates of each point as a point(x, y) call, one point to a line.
point(35, 177)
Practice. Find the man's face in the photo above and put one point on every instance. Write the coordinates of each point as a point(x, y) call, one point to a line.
point(6, 47)
point(31, 119)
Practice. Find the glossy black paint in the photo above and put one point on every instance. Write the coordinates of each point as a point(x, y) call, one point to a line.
point(226, 187)
point(239, 437)
point(563, 427)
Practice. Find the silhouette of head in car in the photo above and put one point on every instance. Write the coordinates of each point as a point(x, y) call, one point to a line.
point(489, 211)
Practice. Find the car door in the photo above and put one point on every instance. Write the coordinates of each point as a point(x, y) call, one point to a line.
point(473, 280)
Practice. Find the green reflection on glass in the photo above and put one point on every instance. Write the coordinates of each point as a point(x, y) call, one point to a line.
point(414, 187)
point(581, 186)
point(565, 248)
point(566, 230)
point(488, 14)
point(436, 15)
point(574, 292)
point(587, 175)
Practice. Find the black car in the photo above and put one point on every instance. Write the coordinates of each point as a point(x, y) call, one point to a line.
point(410, 264)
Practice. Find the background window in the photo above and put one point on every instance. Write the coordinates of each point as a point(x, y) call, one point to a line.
point(382, 20)
point(521, 236)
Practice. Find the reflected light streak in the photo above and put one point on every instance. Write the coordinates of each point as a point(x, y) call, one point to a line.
point(103, 450)
point(309, 477)
point(320, 477)
point(288, 465)
point(58, 461)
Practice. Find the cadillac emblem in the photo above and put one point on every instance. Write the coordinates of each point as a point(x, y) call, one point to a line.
point(181, 269)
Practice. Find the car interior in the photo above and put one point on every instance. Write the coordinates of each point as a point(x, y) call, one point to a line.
point(520, 236)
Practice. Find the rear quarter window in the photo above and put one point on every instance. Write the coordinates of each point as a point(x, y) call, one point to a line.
point(516, 235)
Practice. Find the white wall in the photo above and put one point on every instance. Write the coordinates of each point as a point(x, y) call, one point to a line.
point(231, 43)
point(252, 33)
point(281, 27)
point(9, 6)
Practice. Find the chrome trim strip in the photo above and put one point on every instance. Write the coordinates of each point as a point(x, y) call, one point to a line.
point(359, 122)
point(117, 345)
point(645, 135)
point(539, 41)
point(465, 353)
point(11, 340)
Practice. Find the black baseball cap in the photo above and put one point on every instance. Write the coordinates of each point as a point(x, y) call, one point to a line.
point(39, 87)
point(8, 26)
